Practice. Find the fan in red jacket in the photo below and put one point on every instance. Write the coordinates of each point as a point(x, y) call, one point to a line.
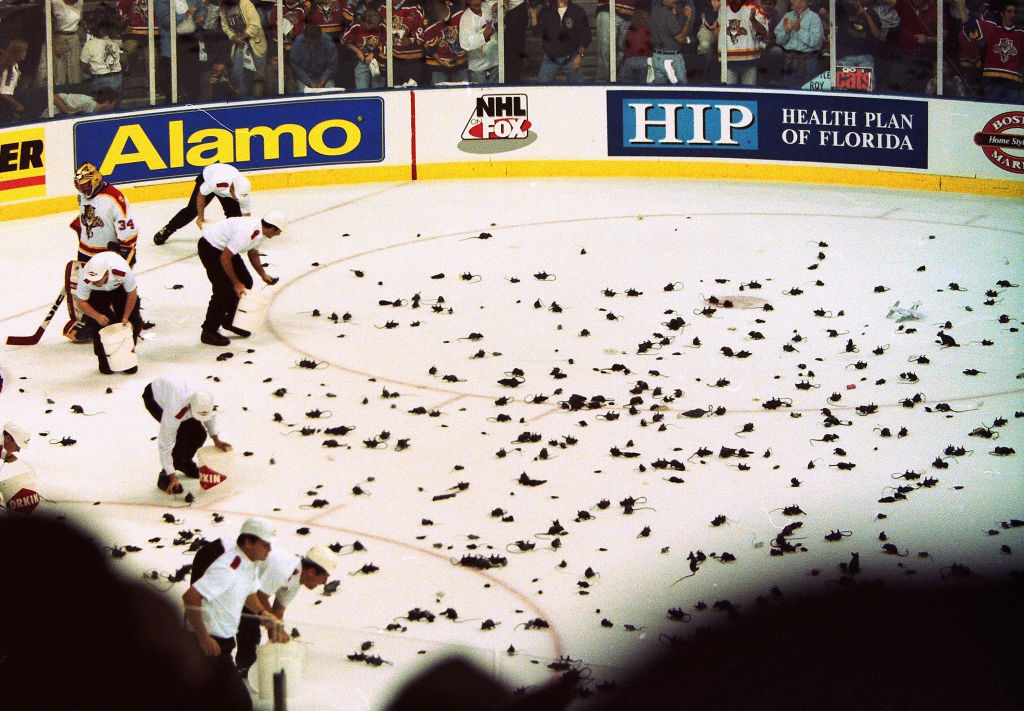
point(1003, 45)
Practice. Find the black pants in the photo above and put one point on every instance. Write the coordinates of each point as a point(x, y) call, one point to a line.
point(189, 71)
point(227, 690)
point(516, 22)
point(223, 300)
point(191, 436)
point(406, 69)
point(248, 638)
point(111, 304)
point(190, 212)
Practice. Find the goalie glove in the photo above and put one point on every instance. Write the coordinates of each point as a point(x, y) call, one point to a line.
point(118, 248)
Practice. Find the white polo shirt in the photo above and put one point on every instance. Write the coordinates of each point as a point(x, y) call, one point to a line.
point(279, 576)
point(172, 394)
point(218, 179)
point(236, 234)
point(118, 274)
point(224, 586)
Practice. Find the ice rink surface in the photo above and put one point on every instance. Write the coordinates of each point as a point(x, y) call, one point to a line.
point(518, 369)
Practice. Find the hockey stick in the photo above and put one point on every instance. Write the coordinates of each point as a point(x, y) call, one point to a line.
point(35, 337)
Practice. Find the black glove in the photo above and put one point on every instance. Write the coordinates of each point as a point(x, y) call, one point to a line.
point(122, 249)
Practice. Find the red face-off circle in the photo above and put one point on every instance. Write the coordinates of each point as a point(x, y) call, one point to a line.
point(1002, 141)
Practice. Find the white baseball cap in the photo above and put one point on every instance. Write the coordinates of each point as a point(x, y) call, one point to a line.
point(201, 405)
point(322, 556)
point(242, 187)
point(95, 271)
point(19, 434)
point(275, 218)
point(258, 527)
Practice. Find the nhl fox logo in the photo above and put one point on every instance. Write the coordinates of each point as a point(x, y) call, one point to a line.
point(208, 478)
point(498, 116)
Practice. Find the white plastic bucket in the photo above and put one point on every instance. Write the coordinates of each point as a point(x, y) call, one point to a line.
point(19, 492)
point(215, 467)
point(251, 311)
point(273, 657)
point(119, 345)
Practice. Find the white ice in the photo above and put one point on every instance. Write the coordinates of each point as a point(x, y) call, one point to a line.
point(674, 244)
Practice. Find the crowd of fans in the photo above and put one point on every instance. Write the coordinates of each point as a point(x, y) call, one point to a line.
point(226, 49)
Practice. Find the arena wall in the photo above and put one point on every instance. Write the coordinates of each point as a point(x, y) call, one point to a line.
point(487, 132)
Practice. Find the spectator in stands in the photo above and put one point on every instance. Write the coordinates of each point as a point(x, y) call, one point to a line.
point(745, 26)
point(217, 84)
point(67, 45)
point(366, 39)
point(241, 23)
point(707, 36)
point(294, 22)
point(478, 37)
point(636, 49)
point(77, 104)
point(670, 27)
point(133, 14)
point(772, 57)
point(1003, 45)
point(406, 27)
point(800, 34)
point(265, 9)
point(603, 23)
point(212, 40)
point(858, 35)
point(517, 22)
point(445, 59)
point(332, 16)
point(314, 59)
point(10, 73)
point(914, 61)
point(101, 57)
point(565, 36)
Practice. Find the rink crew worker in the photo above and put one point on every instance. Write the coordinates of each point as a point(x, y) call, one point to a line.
point(221, 587)
point(107, 293)
point(220, 250)
point(186, 415)
point(219, 180)
point(15, 439)
point(282, 574)
point(105, 223)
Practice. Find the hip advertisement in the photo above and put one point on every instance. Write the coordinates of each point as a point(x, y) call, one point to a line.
point(277, 135)
point(788, 127)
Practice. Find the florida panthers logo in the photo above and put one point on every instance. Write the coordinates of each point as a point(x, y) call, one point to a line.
point(328, 8)
point(1005, 49)
point(735, 31)
point(369, 44)
point(90, 220)
point(450, 36)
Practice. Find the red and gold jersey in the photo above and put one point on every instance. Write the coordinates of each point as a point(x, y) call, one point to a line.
point(441, 42)
point(1004, 49)
point(406, 26)
point(295, 13)
point(333, 16)
point(374, 42)
point(135, 14)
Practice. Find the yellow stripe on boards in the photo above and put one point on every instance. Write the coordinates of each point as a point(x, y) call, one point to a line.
point(673, 169)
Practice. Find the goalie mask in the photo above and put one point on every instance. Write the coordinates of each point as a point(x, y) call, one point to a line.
point(88, 179)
